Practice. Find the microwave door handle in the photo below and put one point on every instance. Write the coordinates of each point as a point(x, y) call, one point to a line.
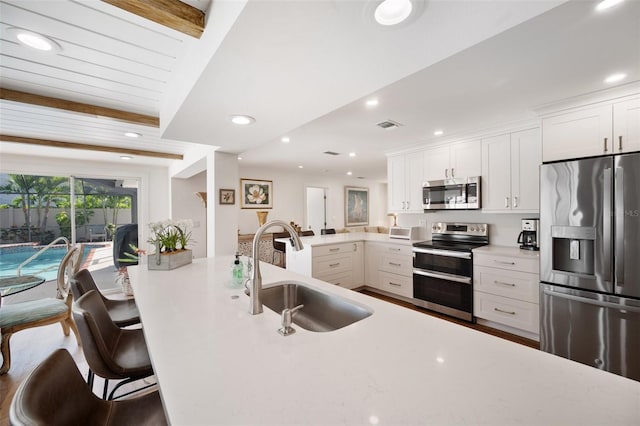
point(606, 223)
point(619, 249)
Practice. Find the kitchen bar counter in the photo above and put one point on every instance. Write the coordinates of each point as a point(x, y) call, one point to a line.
point(218, 365)
point(507, 251)
point(350, 237)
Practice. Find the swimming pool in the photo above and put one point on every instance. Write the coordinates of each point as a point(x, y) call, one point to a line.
point(46, 265)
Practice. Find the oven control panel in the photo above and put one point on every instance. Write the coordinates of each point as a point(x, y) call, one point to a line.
point(479, 229)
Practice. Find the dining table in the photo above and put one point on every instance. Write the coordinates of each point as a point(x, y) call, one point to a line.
point(10, 285)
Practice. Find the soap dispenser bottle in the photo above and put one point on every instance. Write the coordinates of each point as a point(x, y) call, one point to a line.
point(237, 272)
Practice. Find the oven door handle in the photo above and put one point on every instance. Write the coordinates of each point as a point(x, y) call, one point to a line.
point(442, 276)
point(448, 253)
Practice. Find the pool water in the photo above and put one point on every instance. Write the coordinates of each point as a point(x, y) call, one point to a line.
point(45, 266)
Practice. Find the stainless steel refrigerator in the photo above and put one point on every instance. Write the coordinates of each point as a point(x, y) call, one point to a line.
point(590, 262)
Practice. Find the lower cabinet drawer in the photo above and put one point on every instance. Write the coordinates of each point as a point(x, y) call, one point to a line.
point(514, 313)
point(396, 264)
point(343, 279)
point(332, 264)
point(515, 285)
point(398, 284)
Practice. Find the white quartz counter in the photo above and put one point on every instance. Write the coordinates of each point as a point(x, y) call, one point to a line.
point(350, 237)
point(507, 251)
point(218, 365)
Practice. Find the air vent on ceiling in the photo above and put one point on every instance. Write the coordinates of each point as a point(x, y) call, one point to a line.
point(331, 153)
point(388, 124)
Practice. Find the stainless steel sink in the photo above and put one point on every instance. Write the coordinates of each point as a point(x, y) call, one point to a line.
point(321, 311)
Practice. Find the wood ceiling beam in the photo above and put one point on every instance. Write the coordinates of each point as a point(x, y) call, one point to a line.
point(170, 13)
point(94, 110)
point(86, 147)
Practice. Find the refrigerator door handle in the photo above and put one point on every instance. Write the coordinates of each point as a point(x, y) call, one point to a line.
point(588, 300)
point(620, 214)
point(606, 223)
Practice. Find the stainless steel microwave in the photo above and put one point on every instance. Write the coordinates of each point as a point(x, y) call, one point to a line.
point(455, 193)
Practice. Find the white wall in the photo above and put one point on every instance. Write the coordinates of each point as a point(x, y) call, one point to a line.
point(289, 198)
point(186, 205)
point(225, 168)
point(152, 180)
point(503, 228)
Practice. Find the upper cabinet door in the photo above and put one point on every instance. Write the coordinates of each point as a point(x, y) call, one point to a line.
point(396, 177)
point(626, 126)
point(465, 159)
point(526, 157)
point(583, 133)
point(436, 163)
point(414, 180)
point(496, 173)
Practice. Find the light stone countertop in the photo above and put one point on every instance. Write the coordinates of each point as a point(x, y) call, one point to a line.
point(218, 365)
point(507, 251)
point(350, 237)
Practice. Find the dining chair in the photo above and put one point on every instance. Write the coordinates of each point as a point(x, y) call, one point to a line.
point(123, 312)
point(111, 352)
point(54, 393)
point(35, 313)
point(279, 248)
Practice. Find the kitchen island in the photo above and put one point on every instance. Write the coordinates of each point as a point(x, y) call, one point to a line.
point(218, 365)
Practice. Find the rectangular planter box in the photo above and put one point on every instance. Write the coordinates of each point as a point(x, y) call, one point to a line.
point(170, 261)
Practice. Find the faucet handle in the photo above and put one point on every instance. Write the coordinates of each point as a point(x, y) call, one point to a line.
point(287, 317)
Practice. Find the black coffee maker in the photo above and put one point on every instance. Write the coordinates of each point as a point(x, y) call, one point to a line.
point(529, 237)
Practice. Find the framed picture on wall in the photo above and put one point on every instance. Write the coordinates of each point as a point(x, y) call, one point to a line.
point(227, 196)
point(356, 206)
point(256, 194)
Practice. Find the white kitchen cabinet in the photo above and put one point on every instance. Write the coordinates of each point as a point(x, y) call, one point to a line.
point(609, 128)
point(458, 159)
point(390, 268)
point(405, 176)
point(510, 177)
point(340, 264)
point(505, 289)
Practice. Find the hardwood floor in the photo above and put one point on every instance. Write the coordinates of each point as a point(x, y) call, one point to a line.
point(479, 327)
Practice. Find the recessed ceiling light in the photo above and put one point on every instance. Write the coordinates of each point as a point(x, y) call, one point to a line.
point(242, 120)
point(34, 40)
point(349, 173)
point(285, 140)
point(300, 167)
point(438, 133)
point(372, 102)
point(606, 4)
point(352, 154)
point(126, 157)
point(614, 78)
point(132, 135)
point(392, 12)
point(239, 158)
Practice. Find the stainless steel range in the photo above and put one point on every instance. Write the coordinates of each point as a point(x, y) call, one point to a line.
point(443, 268)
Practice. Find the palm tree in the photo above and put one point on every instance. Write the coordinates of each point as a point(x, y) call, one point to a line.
point(24, 186)
point(48, 190)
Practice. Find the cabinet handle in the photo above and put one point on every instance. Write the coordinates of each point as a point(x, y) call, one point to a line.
point(394, 264)
point(446, 173)
point(403, 205)
point(394, 284)
point(408, 205)
point(515, 201)
point(620, 143)
point(504, 312)
point(333, 265)
point(355, 247)
point(452, 174)
point(503, 283)
point(501, 262)
point(394, 249)
point(506, 202)
point(335, 249)
point(605, 145)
